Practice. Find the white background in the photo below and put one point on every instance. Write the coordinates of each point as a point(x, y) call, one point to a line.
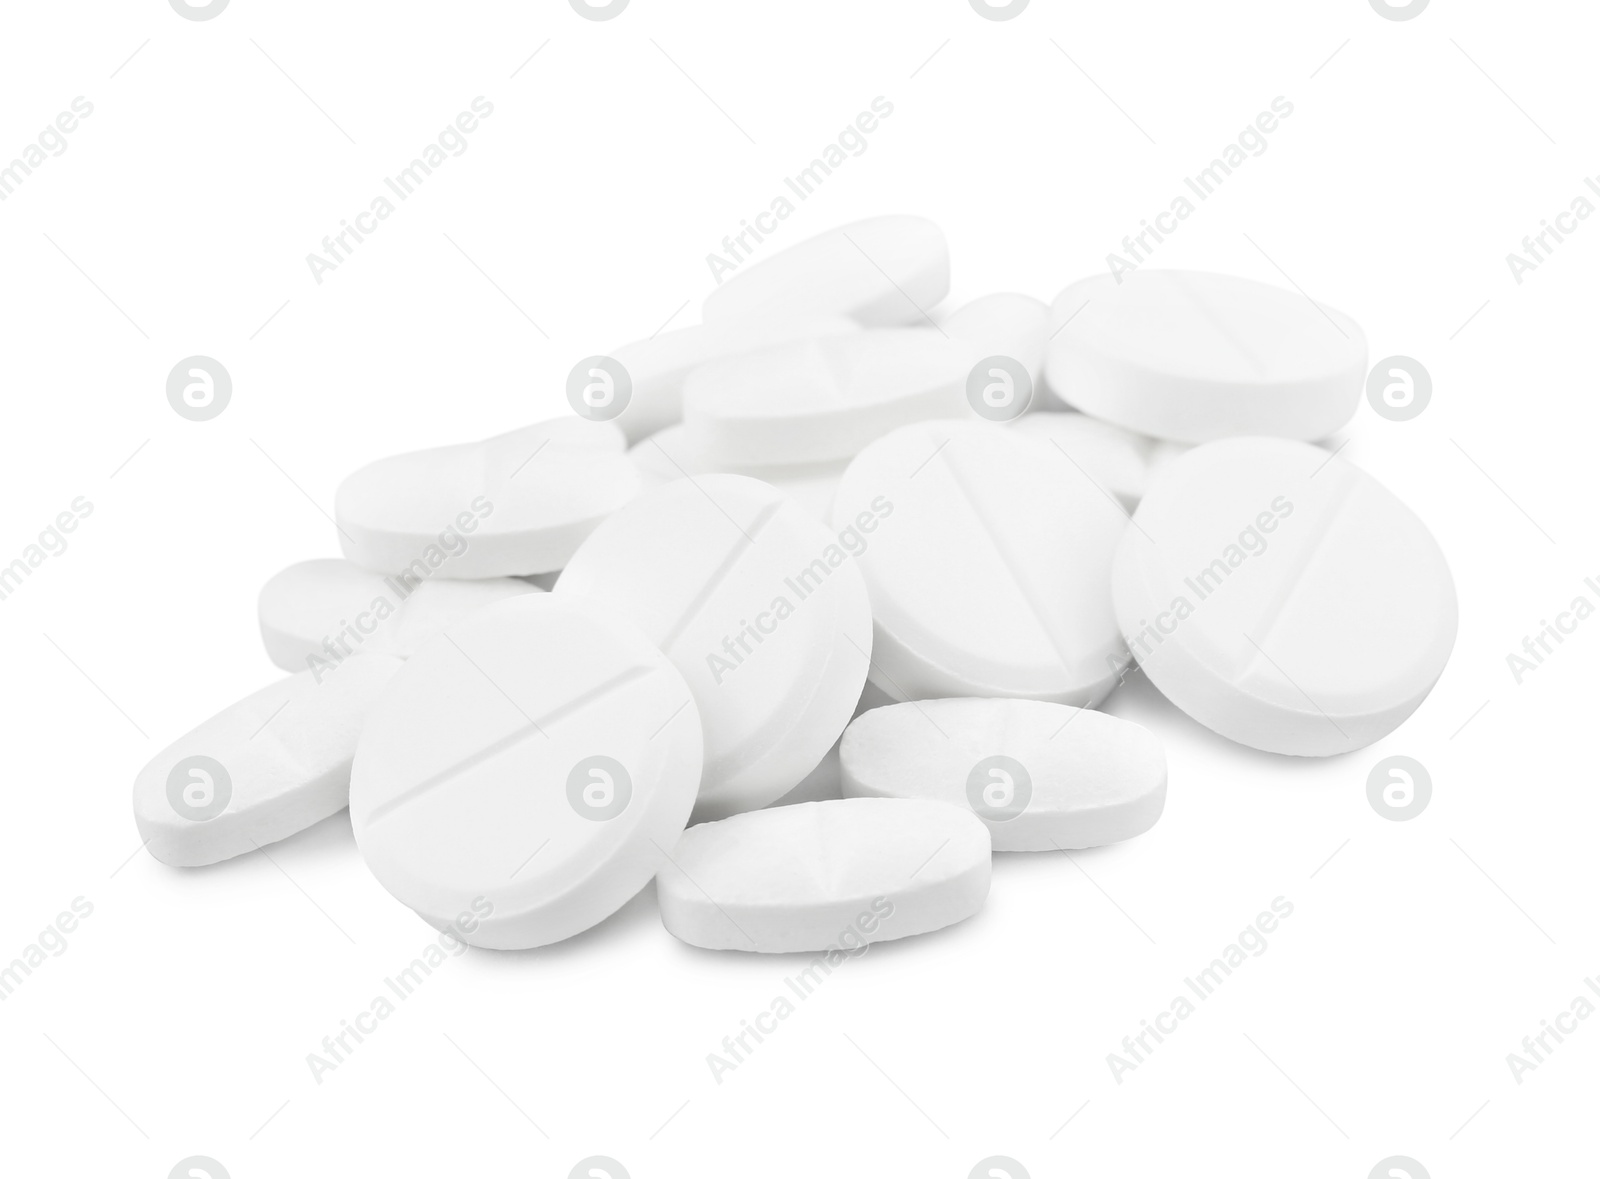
point(178, 1019)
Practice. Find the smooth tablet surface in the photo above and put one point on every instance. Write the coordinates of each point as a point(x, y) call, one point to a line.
point(880, 272)
point(825, 399)
point(990, 569)
point(538, 758)
point(825, 875)
point(657, 367)
point(669, 455)
point(1118, 460)
point(1042, 777)
point(315, 613)
point(1193, 357)
point(1284, 598)
point(760, 607)
point(514, 504)
point(259, 771)
point(1011, 325)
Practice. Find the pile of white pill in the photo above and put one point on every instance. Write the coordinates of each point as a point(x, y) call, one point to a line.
point(805, 611)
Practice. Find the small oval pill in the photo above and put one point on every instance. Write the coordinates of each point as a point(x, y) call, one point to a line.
point(514, 504)
point(823, 400)
point(668, 455)
point(262, 769)
point(825, 876)
point(1284, 598)
point(988, 567)
point(1005, 324)
point(536, 761)
point(758, 605)
point(315, 613)
point(880, 272)
point(1042, 777)
point(1192, 356)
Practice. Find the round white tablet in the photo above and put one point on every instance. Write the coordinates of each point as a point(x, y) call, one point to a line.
point(1284, 598)
point(513, 504)
point(990, 566)
point(315, 613)
point(669, 455)
point(1117, 460)
point(880, 272)
point(538, 761)
point(828, 876)
point(823, 400)
point(760, 607)
point(1192, 356)
point(1017, 326)
point(656, 368)
point(262, 769)
point(1042, 777)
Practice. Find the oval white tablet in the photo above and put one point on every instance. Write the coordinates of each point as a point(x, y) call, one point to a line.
point(315, 613)
point(262, 769)
point(1005, 324)
point(1193, 357)
point(758, 605)
point(830, 876)
point(1117, 460)
point(1284, 598)
point(989, 569)
point(1042, 777)
point(880, 272)
point(668, 455)
point(538, 760)
point(823, 400)
point(514, 504)
point(657, 367)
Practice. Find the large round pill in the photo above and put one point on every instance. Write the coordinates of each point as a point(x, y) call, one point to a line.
point(761, 608)
point(1282, 597)
point(527, 771)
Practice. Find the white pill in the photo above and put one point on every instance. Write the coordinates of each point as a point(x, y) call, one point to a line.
point(1115, 459)
point(1192, 356)
point(1011, 325)
point(825, 875)
point(657, 367)
point(262, 769)
point(1284, 598)
point(538, 759)
point(315, 613)
point(513, 504)
point(823, 400)
point(668, 455)
point(758, 605)
point(1042, 777)
point(989, 567)
point(880, 272)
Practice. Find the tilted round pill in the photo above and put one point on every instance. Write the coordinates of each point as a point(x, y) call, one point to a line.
point(669, 455)
point(262, 769)
point(1015, 326)
point(1042, 777)
point(315, 613)
point(823, 400)
point(1117, 460)
point(880, 272)
point(758, 605)
point(832, 875)
point(1193, 357)
point(1284, 598)
point(514, 504)
point(989, 567)
point(537, 761)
